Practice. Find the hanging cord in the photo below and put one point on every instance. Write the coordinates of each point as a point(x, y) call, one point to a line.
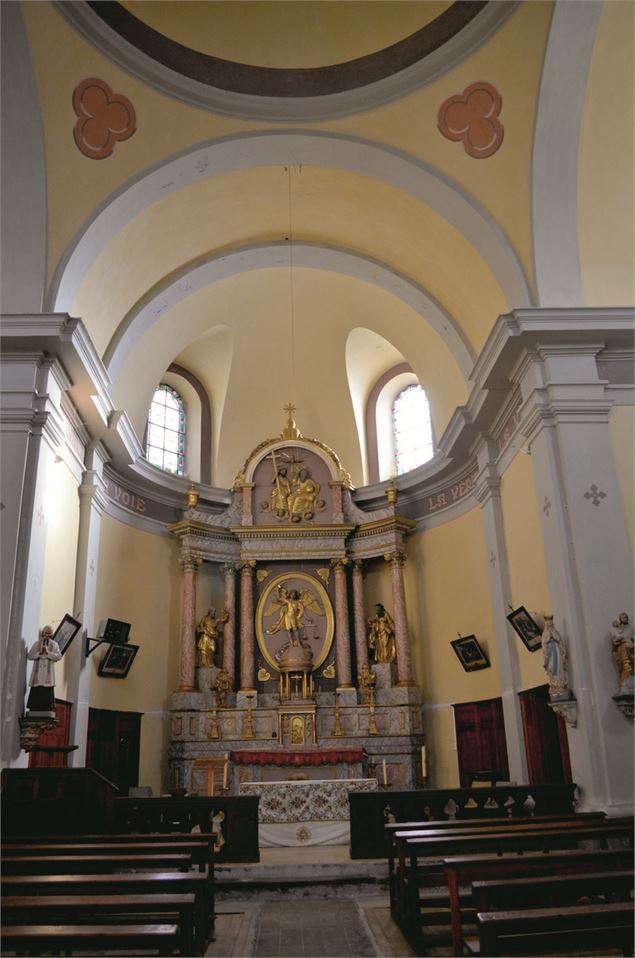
point(291, 286)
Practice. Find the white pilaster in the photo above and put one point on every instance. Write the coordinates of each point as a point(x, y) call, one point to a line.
point(488, 495)
point(92, 501)
point(587, 552)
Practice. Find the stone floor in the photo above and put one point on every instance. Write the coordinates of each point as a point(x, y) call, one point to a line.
point(321, 928)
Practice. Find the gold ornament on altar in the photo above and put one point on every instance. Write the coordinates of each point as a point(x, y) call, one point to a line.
point(209, 629)
point(294, 622)
point(329, 671)
point(222, 686)
point(294, 494)
point(192, 497)
point(381, 635)
point(292, 606)
point(366, 681)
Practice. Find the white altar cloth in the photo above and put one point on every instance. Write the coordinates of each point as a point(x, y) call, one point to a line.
point(313, 812)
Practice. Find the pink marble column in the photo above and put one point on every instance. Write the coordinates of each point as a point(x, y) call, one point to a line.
point(402, 639)
point(342, 633)
point(247, 636)
point(361, 645)
point(229, 632)
point(187, 660)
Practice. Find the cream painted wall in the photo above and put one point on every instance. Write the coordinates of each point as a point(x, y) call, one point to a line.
point(139, 582)
point(525, 555)
point(607, 159)
point(61, 511)
point(447, 592)
point(622, 426)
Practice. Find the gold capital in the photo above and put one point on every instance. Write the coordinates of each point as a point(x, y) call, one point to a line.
point(395, 558)
point(247, 566)
point(339, 564)
point(190, 563)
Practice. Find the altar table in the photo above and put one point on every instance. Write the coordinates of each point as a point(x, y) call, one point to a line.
point(312, 812)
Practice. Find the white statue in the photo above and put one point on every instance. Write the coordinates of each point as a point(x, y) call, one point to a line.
point(622, 642)
point(554, 658)
point(44, 654)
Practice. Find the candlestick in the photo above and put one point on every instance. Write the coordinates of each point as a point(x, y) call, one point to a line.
point(225, 773)
point(337, 728)
point(424, 762)
point(383, 765)
point(372, 724)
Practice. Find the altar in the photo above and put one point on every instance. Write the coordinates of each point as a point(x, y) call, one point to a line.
point(311, 812)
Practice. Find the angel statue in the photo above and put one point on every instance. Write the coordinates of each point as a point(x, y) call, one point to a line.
point(291, 607)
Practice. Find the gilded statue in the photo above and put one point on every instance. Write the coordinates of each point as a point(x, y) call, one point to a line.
point(209, 629)
point(294, 492)
point(554, 658)
point(280, 492)
point(381, 635)
point(301, 501)
point(291, 607)
point(222, 685)
point(366, 682)
point(622, 649)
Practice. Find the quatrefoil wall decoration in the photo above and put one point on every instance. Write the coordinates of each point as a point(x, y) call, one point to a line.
point(105, 118)
point(471, 117)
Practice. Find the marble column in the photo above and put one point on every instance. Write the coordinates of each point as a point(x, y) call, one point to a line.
point(229, 632)
point(190, 565)
point(342, 632)
point(402, 639)
point(361, 644)
point(247, 637)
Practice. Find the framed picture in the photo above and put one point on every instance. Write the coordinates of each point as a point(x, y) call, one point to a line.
point(526, 627)
point(66, 632)
point(470, 654)
point(117, 661)
point(113, 631)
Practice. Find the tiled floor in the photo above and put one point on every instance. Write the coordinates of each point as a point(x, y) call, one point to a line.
point(308, 928)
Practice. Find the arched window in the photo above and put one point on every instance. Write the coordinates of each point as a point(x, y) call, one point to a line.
point(411, 429)
point(165, 442)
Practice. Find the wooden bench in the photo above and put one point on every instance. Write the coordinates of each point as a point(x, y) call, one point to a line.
point(461, 871)
point(128, 884)
point(461, 826)
point(39, 939)
point(198, 850)
point(556, 889)
point(75, 909)
point(578, 929)
point(74, 864)
point(419, 858)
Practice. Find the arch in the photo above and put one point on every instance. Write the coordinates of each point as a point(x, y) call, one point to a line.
point(270, 255)
point(556, 148)
point(282, 147)
point(206, 419)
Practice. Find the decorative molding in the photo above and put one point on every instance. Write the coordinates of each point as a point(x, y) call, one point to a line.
point(471, 118)
point(105, 118)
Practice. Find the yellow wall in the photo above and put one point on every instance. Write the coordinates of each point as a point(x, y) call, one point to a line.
point(139, 582)
point(525, 554)
point(622, 426)
point(61, 509)
point(448, 592)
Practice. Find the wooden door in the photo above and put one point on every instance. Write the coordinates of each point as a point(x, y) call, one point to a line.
point(113, 746)
point(546, 741)
point(52, 739)
point(480, 740)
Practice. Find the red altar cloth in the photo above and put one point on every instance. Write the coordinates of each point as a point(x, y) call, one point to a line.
point(296, 756)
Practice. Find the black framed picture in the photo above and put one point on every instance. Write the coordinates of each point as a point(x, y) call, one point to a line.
point(117, 661)
point(470, 654)
point(113, 631)
point(66, 632)
point(526, 627)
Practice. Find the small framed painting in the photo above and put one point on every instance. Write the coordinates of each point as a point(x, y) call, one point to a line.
point(470, 654)
point(526, 627)
point(117, 661)
point(66, 632)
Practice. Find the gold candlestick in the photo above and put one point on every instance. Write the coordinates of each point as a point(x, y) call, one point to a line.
point(337, 728)
point(372, 725)
point(213, 724)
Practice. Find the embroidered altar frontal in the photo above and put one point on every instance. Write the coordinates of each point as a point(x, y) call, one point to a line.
point(305, 813)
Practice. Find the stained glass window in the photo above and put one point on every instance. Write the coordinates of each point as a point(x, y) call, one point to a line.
point(165, 443)
point(411, 429)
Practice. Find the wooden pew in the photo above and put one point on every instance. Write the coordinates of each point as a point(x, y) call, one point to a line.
point(419, 858)
point(579, 929)
point(535, 891)
point(461, 871)
point(127, 884)
point(197, 850)
point(40, 939)
point(75, 909)
point(460, 826)
point(433, 845)
point(74, 864)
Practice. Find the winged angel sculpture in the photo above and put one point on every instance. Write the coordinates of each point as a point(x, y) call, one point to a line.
point(292, 617)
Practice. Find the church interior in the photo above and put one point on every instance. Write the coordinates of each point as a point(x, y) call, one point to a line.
point(316, 410)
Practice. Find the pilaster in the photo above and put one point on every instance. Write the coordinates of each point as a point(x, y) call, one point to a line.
point(402, 638)
point(488, 495)
point(247, 635)
point(342, 631)
point(588, 557)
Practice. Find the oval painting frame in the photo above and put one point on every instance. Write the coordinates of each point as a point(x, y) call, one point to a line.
point(323, 628)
